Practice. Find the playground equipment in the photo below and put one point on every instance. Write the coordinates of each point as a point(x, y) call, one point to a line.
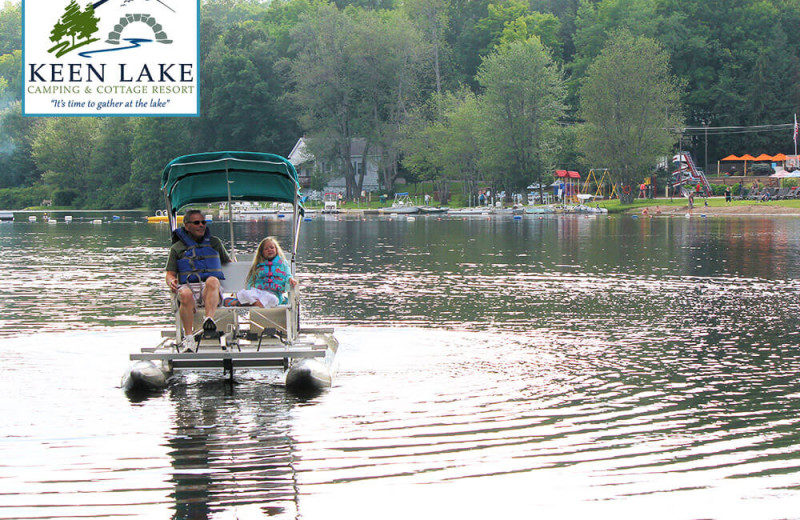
point(687, 173)
point(592, 177)
point(571, 189)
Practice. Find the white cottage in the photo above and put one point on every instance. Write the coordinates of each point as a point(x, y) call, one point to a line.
point(305, 163)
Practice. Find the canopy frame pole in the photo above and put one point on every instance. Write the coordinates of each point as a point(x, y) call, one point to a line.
point(171, 212)
point(296, 237)
point(230, 213)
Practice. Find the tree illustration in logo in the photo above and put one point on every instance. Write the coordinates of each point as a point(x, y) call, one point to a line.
point(74, 29)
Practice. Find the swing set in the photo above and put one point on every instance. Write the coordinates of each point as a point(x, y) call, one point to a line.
point(601, 183)
point(604, 173)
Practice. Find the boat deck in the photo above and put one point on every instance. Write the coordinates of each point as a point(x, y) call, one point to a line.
point(227, 353)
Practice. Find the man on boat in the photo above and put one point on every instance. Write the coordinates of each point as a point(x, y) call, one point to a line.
point(194, 269)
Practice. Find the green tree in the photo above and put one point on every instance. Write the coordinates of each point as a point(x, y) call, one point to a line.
point(157, 140)
point(737, 71)
point(325, 75)
point(499, 15)
point(629, 102)
point(466, 38)
point(227, 13)
point(522, 104)
point(62, 148)
point(544, 25)
point(354, 76)
point(244, 103)
point(386, 52)
point(596, 21)
point(110, 169)
point(10, 27)
point(431, 16)
point(17, 167)
point(11, 72)
point(420, 142)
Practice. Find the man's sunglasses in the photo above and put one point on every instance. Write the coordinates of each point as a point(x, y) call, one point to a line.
point(197, 222)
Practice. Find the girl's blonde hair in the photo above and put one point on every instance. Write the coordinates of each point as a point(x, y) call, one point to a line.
point(259, 257)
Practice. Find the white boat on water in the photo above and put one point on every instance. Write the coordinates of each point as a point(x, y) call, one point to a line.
point(330, 202)
point(431, 210)
point(477, 210)
point(246, 338)
point(402, 205)
point(515, 210)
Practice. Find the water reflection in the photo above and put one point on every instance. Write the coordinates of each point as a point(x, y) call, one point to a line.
point(231, 449)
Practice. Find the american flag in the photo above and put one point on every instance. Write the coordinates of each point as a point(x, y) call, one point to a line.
point(795, 131)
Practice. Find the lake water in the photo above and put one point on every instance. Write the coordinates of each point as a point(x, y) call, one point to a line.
point(562, 367)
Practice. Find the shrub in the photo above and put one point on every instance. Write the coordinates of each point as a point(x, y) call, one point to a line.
point(65, 197)
point(19, 198)
point(761, 169)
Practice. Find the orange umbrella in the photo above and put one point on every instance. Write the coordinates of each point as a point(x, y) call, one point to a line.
point(779, 157)
point(747, 157)
point(731, 157)
point(763, 157)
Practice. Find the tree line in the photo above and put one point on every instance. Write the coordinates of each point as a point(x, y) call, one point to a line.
point(496, 93)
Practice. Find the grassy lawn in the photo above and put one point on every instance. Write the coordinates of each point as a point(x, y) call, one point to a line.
point(613, 206)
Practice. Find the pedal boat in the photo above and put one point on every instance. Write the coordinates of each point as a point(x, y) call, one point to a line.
point(246, 338)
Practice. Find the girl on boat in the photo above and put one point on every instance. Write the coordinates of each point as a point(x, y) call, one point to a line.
point(267, 278)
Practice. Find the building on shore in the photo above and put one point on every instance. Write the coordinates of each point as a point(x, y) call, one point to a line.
point(307, 165)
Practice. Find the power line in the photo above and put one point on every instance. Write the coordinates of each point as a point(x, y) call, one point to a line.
point(723, 130)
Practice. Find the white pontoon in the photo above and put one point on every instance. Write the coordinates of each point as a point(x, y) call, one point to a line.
point(250, 338)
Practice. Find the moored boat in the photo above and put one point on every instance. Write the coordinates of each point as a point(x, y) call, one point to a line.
point(478, 210)
point(542, 210)
point(431, 210)
point(162, 217)
point(402, 205)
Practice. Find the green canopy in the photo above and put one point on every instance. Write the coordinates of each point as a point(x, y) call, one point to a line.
point(206, 177)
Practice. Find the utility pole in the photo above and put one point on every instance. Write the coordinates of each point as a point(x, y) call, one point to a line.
point(705, 168)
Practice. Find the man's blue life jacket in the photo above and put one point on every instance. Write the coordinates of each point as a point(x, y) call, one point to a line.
point(198, 261)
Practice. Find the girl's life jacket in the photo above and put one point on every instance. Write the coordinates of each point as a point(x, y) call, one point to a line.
point(272, 275)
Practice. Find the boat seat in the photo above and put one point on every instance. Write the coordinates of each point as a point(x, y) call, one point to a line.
point(226, 318)
point(236, 274)
point(278, 318)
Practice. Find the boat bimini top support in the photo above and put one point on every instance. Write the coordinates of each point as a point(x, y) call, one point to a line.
point(232, 176)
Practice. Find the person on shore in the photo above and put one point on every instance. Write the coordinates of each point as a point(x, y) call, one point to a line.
point(728, 195)
point(194, 269)
point(267, 278)
point(645, 212)
point(691, 200)
point(658, 210)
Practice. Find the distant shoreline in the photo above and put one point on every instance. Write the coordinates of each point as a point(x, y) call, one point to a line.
point(110, 211)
